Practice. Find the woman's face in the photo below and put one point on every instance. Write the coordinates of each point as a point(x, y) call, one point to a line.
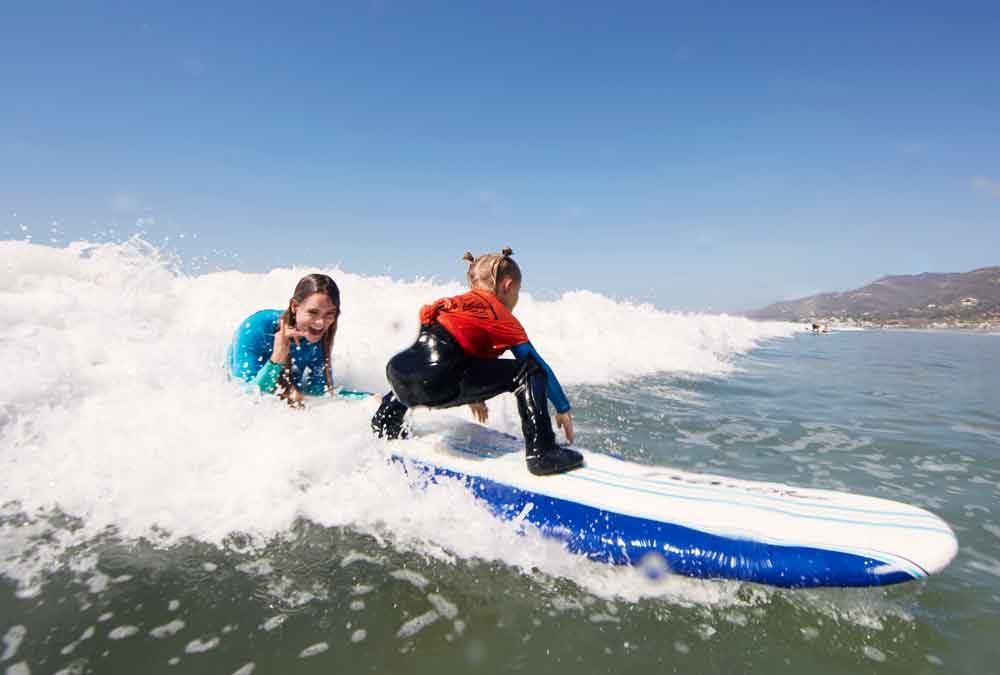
point(314, 315)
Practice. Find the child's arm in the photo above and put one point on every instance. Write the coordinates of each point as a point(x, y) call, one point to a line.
point(553, 389)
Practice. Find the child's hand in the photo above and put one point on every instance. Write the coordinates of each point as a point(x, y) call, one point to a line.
point(480, 411)
point(565, 422)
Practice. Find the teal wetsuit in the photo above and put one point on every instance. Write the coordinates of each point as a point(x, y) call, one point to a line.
point(250, 358)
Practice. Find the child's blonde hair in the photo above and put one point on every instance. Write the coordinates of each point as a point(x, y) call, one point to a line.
point(486, 271)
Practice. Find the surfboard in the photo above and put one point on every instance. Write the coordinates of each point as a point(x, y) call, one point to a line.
point(699, 525)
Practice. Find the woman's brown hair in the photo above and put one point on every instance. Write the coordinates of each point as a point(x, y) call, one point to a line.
point(308, 285)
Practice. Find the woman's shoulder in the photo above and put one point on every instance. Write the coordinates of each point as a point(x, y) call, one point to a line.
point(262, 319)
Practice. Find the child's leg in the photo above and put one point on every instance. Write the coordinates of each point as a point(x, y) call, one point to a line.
point(427, 374)
point(441, 385)
point(541, 453)
point(388, 420)
point(482, 379)
point(486, 379)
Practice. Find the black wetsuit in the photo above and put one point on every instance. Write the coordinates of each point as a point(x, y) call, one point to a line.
point(436, 372)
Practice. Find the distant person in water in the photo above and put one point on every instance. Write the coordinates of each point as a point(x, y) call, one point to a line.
point(290, 352)
point(455, 362)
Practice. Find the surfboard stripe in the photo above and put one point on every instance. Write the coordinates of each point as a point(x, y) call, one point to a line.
point(578, 476)
point(799, 500)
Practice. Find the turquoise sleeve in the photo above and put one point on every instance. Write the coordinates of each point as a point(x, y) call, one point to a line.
point(252, 344)
point(553, 388)
point(353, 395)
point(267, 377)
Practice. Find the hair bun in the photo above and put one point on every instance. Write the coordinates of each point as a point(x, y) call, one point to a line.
point(468, 256)
point(507, 252)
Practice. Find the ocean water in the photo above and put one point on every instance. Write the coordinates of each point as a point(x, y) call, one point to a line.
point(154, 518)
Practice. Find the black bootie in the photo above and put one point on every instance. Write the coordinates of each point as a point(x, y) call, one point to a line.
point(542, 454)
point(388, 419)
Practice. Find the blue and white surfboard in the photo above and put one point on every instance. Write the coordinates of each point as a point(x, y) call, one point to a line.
point(699, 525)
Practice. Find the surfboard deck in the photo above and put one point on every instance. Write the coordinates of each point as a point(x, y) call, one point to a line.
point(698, 525)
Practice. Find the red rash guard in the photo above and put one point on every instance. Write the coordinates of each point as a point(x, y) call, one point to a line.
point(481, 324)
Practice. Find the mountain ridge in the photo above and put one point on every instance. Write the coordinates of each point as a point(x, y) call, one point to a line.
point(926, 299)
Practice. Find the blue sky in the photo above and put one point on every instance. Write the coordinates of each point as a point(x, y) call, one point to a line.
point(703, 156)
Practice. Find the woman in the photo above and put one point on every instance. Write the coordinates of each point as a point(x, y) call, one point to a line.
point(290, 352)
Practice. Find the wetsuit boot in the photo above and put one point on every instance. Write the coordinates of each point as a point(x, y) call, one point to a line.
point(542, 454)
point(388, 419)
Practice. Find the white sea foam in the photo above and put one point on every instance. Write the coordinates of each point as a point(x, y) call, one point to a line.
point(120, 414)
point(123, 632)
point(417, 624)
point(443, 606)
point(200, 646)
point(12, 641)
point(167, 629)
point(313, 650)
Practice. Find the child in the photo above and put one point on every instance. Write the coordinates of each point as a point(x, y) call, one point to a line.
point(454, 362)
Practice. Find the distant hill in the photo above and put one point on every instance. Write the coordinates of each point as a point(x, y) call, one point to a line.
point(911, 300)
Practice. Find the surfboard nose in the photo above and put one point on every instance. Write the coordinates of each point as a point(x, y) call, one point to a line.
point(935, 550)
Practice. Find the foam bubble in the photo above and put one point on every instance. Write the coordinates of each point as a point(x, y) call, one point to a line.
point(874, 653)
point(443, 606)
point(122, 632)
point(200, 646)
point(313, 650)
point(417, 624)
point(273, 622)
point(12, 641)
point(167, 629)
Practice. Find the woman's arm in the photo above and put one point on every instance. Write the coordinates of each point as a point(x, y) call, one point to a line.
point(261, 349)
point(251, 352)
point(267, 377)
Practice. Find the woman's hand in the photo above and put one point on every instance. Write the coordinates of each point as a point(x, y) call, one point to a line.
point(283, 342)
point(295, 398)
point(565, 422)
point(480, 411)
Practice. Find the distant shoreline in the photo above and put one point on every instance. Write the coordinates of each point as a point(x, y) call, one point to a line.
point(992, 330)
